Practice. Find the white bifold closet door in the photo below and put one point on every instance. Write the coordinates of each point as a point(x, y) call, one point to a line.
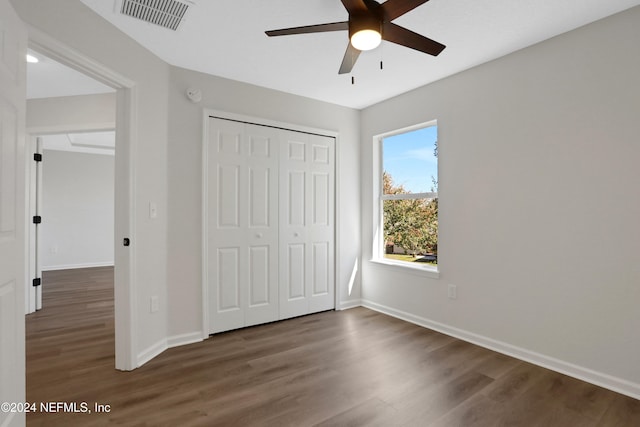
point(270, 224)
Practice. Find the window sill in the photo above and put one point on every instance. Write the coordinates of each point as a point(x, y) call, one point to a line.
point(421, 270)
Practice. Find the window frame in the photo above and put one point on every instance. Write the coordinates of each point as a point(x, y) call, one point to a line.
point(379, 198)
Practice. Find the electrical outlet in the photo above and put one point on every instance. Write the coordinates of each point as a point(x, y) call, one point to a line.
point(452, 291)
point(155, 304)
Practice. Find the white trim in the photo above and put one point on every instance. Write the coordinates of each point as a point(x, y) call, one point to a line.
point(406, 129)
point(407, 267)
point(347, 305)
point(208, 113)
point(159, 347)
point(267, 122)
point(126, 320)
point(58, 129)
point(409, 196)
point(126, 134)
point(151, 352)
point(47, 45)
point(337, 289)
point(610, 382)
point(75, 266)
point(33, 201)
point(184, 339)
point(205, 227)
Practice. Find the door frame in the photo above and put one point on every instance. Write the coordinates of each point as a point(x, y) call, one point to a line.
point(124, 186)
point(33, 298)
point(207, 113)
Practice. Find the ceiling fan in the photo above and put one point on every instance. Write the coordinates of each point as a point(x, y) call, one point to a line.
point(369, 23)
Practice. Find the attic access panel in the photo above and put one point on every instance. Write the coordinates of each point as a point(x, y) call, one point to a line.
point(165, 13)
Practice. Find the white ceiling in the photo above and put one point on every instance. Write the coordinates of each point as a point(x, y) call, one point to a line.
point(226, 38)
point(49, 78)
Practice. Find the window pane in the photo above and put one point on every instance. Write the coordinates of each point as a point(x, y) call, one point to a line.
point(411, 230)
point(410, 162)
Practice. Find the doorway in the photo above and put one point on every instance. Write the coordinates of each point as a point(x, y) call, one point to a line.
point(123, 122)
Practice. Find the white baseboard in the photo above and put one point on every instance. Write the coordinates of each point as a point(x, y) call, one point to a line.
point(618, 385)
point(346, 305)
point(169, 342)
point(75, 266)
point(151, 352)
point(184, 339)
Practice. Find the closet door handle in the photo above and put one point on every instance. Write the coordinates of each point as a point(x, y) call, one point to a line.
point(259, 235)
point(296, 234)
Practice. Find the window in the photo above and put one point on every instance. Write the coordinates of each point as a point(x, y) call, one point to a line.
point(408, 198)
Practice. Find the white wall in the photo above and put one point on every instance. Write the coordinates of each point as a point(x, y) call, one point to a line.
point(539, 228)
point(77, 207)
point(185, 180)
point(71, 113)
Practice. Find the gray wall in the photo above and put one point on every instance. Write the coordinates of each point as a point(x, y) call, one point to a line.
point(77, 206)
point(538, 209)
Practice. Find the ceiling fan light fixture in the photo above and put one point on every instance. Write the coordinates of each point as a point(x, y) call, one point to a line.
point(366, 39)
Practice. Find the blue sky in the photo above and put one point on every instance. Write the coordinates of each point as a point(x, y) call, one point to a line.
point(409, 159)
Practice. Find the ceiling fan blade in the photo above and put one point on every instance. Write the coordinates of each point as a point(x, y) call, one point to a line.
point(399, 35)
point(392, 9)
point(320, 28)
point(355, 6)
point(349, 60)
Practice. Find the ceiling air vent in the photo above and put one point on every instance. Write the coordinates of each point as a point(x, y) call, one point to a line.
point(165, 13)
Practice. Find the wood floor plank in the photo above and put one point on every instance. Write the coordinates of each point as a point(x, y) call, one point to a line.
point(349, 368)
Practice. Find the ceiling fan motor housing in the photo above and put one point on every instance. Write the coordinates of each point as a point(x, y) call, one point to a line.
point(365, 21)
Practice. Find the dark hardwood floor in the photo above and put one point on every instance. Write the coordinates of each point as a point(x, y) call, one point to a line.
point(349, 368)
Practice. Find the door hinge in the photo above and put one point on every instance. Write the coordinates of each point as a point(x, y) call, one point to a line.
point(37, 282)
point(37, 157)
point(37, 219)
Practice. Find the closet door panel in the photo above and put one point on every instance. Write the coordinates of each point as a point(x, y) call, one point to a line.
point(262, 227)
point(242, 225)
point(293, 219)
point(307, 226)
point(321, 220)
point(224, 223)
